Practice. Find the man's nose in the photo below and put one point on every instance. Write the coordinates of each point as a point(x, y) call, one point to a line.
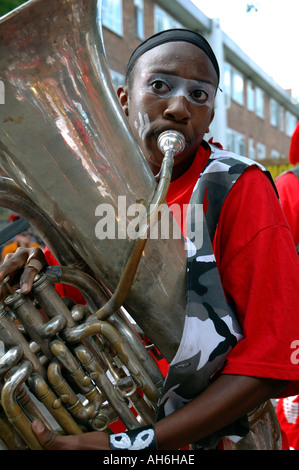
point(177, 109)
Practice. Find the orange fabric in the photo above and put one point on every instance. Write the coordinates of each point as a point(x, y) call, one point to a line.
point(13, 246)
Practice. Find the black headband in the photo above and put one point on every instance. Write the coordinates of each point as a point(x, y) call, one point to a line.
point(172, 35)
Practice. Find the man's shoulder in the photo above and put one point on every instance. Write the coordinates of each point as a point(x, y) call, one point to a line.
point(227, 158)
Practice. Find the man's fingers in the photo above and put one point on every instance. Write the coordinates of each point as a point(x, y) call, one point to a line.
point(28, 260)
point(27, 278)
point(48, 439)
point(10, 265)
point(36, 261)
point(93, 440)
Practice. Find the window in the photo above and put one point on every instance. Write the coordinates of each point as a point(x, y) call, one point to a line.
point(227, 84)
point(274, 113)
point(260, 103)
point(118, 79)
point(291, 122)
point(112, 15)
point(237, 87)
point(233, 85)
point(275, 154)
point(250, 96)
point(163, 20)
point(261, 151)
point(139, 18)
point(251, 149)
point(235, 142)
point(281, 118)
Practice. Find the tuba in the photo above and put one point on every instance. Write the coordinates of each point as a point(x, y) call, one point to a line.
point(69, 154)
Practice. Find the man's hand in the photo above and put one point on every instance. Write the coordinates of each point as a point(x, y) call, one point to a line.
point(86, 441)
point(21, 267)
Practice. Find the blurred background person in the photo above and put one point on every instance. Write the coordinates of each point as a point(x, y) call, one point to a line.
point(288, 188)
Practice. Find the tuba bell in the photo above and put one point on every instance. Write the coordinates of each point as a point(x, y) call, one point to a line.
point(68, 153)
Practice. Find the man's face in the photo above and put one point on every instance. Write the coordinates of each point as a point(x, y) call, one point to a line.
point(173, 86)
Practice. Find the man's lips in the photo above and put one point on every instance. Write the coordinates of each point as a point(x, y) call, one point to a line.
point(156, 133)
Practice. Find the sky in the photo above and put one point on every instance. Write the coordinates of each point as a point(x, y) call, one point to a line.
point(268, 34)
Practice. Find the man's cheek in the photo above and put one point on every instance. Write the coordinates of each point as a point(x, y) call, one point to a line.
point(142, 124)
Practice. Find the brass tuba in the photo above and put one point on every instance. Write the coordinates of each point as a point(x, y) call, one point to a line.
point(67, 150)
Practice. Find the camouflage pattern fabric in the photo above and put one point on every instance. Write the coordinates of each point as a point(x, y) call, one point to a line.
point(211, 328)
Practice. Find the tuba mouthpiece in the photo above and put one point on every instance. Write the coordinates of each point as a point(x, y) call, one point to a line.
point(172, 141)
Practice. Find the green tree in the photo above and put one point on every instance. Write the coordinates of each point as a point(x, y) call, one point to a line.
point(8, 5)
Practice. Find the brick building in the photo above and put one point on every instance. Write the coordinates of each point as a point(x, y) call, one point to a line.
point(254, 115)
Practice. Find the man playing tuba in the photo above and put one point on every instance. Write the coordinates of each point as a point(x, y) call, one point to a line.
point(172, 80)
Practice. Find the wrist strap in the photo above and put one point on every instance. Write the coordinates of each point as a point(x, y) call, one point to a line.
point(136, 439)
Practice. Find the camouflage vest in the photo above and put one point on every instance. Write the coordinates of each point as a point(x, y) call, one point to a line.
point(211, 328)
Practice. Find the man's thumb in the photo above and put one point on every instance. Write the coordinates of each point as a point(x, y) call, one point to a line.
point(46, 437)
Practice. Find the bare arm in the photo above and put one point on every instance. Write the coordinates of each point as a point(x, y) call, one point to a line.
point(230, 397)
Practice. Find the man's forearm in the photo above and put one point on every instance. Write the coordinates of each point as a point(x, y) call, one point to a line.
point(229, 398)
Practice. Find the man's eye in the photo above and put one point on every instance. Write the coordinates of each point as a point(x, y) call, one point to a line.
point(159, 85)
point(200, 95)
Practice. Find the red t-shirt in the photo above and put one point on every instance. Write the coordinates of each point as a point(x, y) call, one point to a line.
point(259, 270)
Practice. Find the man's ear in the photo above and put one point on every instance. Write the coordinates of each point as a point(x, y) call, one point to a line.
point(123, 97)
